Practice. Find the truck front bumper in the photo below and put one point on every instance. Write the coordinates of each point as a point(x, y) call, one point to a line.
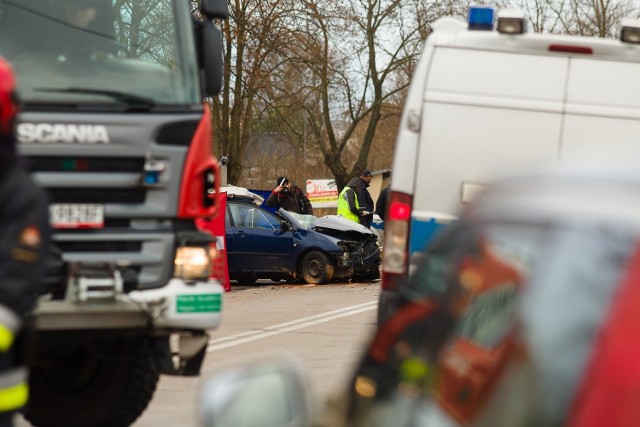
point(176, 306)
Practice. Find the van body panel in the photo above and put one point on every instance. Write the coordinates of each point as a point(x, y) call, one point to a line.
point(602, 112)
point(471, 98)
point(605, 134)
point(444, 166)
point(596, 82)
point(497, 74)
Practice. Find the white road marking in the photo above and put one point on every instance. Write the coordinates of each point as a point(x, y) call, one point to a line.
point(249, 336)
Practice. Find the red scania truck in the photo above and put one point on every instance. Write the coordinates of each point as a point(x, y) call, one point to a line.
point(114, 127)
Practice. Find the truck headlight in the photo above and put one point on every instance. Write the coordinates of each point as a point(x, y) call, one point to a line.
point(192, 263)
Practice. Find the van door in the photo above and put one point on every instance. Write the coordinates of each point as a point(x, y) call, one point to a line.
point(603, 106)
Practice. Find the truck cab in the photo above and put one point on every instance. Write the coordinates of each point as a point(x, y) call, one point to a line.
point(113, 126)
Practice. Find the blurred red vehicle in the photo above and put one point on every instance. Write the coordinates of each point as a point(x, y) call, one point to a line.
point(523, 313)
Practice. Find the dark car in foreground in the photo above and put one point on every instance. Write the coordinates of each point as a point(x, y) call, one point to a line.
point(294, 247)
point(524, 312)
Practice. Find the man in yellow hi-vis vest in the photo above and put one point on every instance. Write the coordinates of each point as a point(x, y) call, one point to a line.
point(24, 237)
point(344, 209)
point(355, 202)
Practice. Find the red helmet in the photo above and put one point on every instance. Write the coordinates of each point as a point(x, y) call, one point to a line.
point(8, 103)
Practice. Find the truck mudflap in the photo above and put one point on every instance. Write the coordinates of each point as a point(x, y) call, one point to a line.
point(178, 305)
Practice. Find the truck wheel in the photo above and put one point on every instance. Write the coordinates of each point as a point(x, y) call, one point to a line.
point(316, 268)
point(104, 384)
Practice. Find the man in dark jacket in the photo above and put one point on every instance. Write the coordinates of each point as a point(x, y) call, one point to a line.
point(24, 237)
point(358, 199)
point(289, 197)
point(381, 203)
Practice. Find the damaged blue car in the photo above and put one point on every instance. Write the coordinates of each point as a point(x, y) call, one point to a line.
point(296, 248)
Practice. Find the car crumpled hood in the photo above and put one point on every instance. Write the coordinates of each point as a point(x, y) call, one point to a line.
point(329, 225)
point(338, 223)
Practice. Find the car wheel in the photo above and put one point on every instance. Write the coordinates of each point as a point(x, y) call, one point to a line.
point(374, 274)
point(248, 279)
point(316, 268)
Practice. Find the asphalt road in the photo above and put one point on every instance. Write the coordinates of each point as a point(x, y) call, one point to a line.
point(324, 327)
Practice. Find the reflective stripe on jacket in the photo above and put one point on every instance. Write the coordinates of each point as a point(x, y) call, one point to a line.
point(9, 325)
point(14, 390)
point(343, 206)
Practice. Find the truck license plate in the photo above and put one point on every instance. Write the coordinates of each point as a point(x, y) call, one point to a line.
point(67, 215)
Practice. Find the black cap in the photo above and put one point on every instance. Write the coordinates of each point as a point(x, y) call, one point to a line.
point(365, 172)
point(282, 180)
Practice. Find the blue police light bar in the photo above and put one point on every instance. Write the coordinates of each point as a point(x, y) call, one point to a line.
point(481, 18)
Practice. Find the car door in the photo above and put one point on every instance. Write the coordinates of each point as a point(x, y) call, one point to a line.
point(256, 241)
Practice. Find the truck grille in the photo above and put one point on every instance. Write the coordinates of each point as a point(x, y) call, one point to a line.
point(138, 236)
point(84, 164)
point(103, 196)
point(68, 247)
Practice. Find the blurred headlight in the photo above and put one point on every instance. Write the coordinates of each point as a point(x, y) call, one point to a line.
point(192, 262)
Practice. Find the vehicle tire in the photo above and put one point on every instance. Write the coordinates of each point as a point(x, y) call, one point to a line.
point(102, 384)
point(372, 275)
point(248, 279)
point(316, 268)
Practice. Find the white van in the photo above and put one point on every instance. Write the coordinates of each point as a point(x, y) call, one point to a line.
point(489, 98)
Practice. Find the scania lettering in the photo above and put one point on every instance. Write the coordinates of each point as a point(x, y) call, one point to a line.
point(488, 98)
point(114, 127)
point(70, 134)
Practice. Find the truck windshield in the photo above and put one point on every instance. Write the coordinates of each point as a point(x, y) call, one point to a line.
point(101, 52)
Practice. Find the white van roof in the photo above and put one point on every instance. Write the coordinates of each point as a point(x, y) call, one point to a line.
point(241, 192)
point(448, 31)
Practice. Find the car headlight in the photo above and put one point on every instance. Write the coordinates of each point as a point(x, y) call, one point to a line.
point(192, 263)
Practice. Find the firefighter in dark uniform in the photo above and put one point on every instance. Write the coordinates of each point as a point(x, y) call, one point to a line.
point(24, 238)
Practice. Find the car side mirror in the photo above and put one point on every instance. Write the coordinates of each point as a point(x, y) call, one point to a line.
point(215, 9)
point(268, 393)
point(285, 225)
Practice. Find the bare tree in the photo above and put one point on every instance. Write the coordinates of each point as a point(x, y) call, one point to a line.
point(316, 87)
point(252, 36)
point(298, 72)
point(582, 17)
point(542, 15)
point(141, 29)
point(348, 58)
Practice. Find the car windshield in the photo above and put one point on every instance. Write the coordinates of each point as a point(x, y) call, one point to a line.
point(305, 221)
point(101, 52)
